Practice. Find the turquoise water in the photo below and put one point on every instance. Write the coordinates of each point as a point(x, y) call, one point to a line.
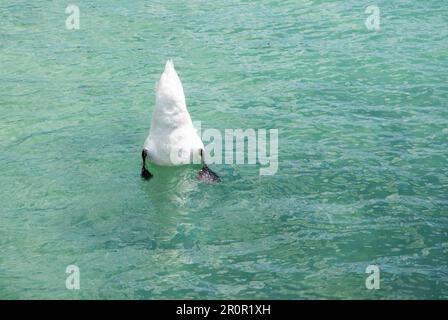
point(363, 171)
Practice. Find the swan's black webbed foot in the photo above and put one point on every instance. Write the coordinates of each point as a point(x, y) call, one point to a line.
point(145, 172)
point(206, 174)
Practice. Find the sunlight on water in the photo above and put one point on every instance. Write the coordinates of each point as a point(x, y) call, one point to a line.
point(363, 171)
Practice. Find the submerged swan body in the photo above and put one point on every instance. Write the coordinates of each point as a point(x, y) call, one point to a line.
point(172, 139)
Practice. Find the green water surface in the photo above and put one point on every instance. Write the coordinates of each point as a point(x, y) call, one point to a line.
point(363, 140)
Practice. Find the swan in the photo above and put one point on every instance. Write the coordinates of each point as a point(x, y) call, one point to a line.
point(172, 139)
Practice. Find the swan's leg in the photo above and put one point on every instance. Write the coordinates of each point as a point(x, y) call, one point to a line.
point(205, 174)
point(145, 172)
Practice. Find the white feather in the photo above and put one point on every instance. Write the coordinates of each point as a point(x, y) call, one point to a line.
point(172, 138)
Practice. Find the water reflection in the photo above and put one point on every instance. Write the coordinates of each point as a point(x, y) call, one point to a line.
point(169, 193)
